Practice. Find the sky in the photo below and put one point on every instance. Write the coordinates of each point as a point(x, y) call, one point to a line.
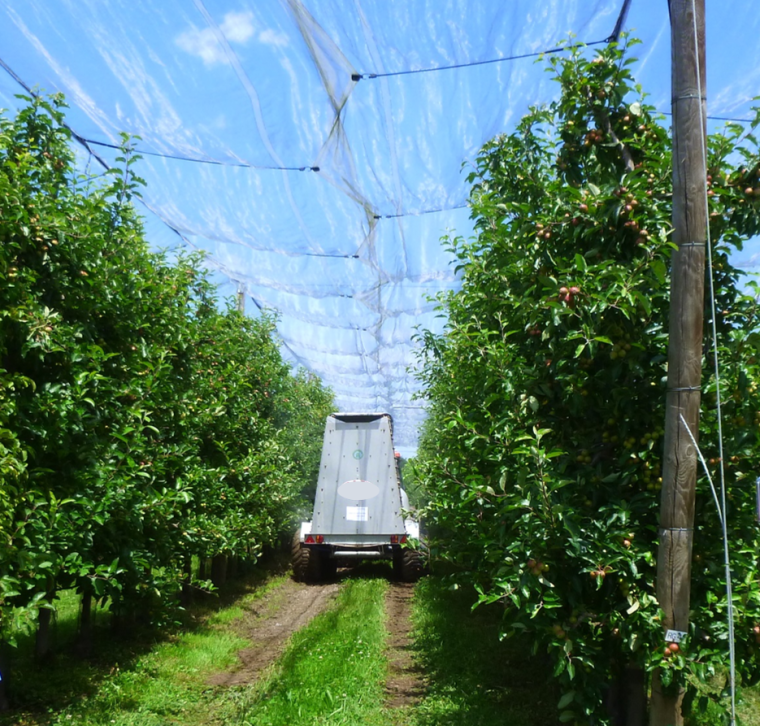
point(275, 142)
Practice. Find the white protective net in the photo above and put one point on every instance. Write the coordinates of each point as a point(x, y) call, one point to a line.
point(320, 195)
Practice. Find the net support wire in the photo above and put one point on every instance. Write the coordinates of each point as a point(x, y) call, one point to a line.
point(716, 365)
point(612, 38)
point(727, 564)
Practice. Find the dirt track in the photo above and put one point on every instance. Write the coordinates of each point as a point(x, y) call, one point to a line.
point(404, 686)
point(269, 623)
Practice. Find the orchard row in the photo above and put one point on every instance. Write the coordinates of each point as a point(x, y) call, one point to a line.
point(543, 453)
point(142, 423)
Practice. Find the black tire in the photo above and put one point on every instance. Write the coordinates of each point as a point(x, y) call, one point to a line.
point(398, 565)
point(412, 565)
point(305, 562)
point(329, 566)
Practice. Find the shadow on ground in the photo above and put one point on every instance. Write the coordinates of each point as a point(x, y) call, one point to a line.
point(39, 690)
point(472, 678)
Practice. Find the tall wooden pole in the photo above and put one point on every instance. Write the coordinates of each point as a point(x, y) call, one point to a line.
point(685, 344)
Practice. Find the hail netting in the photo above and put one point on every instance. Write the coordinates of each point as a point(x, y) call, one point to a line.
point(327, 196)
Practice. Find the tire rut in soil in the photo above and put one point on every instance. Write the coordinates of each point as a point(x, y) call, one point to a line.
point(268, 625)
point(404, 685)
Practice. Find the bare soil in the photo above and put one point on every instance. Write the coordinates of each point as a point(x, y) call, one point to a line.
point(270, 621)
point(404, 686)
point(268, 624)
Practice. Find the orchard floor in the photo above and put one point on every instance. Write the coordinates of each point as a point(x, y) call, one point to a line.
point(267, 624)
point(245, 660)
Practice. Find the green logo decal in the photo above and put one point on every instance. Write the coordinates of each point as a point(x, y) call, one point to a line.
point(358, 454)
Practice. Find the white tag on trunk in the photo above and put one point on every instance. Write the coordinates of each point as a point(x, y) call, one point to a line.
point(675, 636)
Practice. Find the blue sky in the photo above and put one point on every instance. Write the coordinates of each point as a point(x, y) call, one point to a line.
point(348, 253)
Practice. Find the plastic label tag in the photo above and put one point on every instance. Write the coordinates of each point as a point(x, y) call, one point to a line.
point(356, 514)
point(675, 636)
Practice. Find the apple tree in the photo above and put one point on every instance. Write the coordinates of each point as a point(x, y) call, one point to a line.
point(142, 421)
point(542, 453)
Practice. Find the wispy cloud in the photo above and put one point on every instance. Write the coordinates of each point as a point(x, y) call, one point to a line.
point(69, 83)
point(237, 27)
point(272, 37)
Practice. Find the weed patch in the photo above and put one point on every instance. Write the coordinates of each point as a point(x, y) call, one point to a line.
point(332, 673)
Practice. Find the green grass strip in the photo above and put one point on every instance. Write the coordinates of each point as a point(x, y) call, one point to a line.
point(166, 685)
point(333, 671)
point(473, 678)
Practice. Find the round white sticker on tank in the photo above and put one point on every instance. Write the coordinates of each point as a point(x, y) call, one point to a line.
point(358, 489)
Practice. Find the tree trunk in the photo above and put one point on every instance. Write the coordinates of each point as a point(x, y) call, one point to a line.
point(232, 567)
point(44, 617)
point(84, 637)
point(187, 590)
point(626, 699)
point(123, 618)
point(4, 705)
point(635, 697)
point(42, 639)
point(219, 570)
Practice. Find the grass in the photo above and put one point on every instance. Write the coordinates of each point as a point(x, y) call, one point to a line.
point(333, 671)
point(747, 705)
point(140, 683)
point(473, 678)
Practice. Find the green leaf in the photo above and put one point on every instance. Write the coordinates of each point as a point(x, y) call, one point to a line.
point(566, 700)
point(659, 269)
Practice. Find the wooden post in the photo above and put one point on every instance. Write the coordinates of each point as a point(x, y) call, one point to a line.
point(685, 344)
